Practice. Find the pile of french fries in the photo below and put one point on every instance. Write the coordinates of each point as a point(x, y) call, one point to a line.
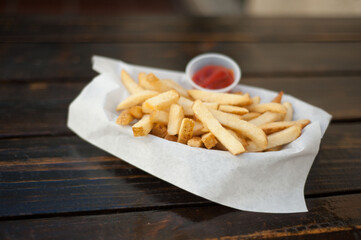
point(224, 121)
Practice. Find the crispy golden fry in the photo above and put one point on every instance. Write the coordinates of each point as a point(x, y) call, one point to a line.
point(171, 138)
point(174, 85)
point(185, 130)
point(136, 112)
point(239, 93)
point(176, 115)
point(195, 142)
point(206, 117)
point(159, 116)
point(233, 109)
point(278, 98)
point(221, 98)
point(289, 114)
point(279, 138)
point(136, 99)
point(143, 126)
point(199, 129)
point(125, 118)
point(266, 118)
point(162, 100)
point(159, 130)
point(268, 107)
point(129, 83)
point(250, 116)
point(245, 128)
point(272, 127)
point(209, 140)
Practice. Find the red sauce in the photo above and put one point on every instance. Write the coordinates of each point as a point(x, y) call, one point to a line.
point(213, 77)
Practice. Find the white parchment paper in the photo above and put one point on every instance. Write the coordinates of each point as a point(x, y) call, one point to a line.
point(261, 182)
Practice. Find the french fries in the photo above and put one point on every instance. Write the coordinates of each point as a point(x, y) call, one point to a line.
point(185, 130)
point(176, 116)
point(221, 98)
point(223, 121)
point(162, 101)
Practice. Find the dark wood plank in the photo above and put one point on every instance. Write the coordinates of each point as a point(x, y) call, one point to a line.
point(176, 29)
point(65, 174)
point(54, 62)
point(41, 108)
point(328, 218)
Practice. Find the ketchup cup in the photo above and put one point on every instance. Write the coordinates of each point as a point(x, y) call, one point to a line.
point(213, 59)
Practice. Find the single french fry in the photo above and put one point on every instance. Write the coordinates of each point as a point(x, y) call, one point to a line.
point(266, 118)
point(245, 128)
point(272, 127)
point(185, 130)
point(206, 117)
point(171, 138)
point(136, 99)
point(176, 115)
point(220, 98)
point(129, 83)
point(159, 130)
point(125, 118)
point(233, 109)
point(195, 142)
point(278, 98)
point(174, 85)
point(289, 114)
point(250, 116)
point(136, 112)
point(209, 140)
point(279, 138)
point(162, 100)
point(143, 126)
point(199, 129)
point(268, 107)
point(159, 116)
point(187, 105)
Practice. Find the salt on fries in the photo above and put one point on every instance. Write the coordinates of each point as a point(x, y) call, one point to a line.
point(224, 121)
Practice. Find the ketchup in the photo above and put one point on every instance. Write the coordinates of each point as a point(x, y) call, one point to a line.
point(213, 77)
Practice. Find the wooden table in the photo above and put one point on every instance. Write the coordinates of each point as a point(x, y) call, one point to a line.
point(56, 186)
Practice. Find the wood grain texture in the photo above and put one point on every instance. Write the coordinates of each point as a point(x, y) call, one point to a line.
point(328, 218)
point(175, 29)
point(59, 62)
point(41, 108)
point(50, 175)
